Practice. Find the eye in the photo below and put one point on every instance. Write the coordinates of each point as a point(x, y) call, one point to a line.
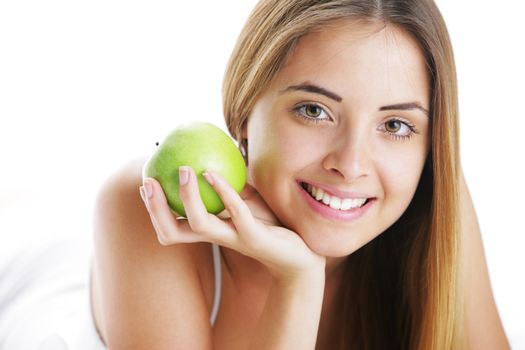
point(399, 129)
point(310, 112)
point(393, 125)
point(313, 111)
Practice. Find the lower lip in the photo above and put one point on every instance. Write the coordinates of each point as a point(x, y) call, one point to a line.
point(335, 214)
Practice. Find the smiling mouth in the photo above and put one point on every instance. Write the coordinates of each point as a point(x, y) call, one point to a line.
point(343, 204)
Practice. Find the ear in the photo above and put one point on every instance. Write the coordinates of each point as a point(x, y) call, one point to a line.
point(244, 132)
point(243, 143)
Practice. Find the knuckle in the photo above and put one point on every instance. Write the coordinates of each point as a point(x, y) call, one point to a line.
point(198, 225)
point(253, 245)
point(234, 211)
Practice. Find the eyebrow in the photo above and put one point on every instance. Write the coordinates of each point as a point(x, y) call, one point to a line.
point(405, 106)
point(308, 87)
point(315, 89)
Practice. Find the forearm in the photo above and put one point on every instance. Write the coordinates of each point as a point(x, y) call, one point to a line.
point(291, 315)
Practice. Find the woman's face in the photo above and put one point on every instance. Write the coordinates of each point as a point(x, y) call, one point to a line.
point(346, 113)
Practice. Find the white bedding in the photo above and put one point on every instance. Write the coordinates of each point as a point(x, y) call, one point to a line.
point(44, 280)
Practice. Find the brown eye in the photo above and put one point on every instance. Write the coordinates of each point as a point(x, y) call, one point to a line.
point(393, 126)
point(313, 110)
point(399, 129)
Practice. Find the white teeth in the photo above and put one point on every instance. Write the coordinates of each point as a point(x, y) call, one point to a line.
point(335, 202)
point(319, 193)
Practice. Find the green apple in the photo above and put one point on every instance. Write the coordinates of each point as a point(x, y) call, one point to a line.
point(202, 146)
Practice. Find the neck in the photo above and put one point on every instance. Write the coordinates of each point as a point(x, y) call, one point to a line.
point(334, 267)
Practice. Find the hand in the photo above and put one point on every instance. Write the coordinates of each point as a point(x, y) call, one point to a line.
point(247, 225)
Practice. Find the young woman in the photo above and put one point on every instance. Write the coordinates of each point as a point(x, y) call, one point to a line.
point(355, 230)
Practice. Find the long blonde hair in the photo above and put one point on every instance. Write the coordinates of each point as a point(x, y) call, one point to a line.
point(402, 289)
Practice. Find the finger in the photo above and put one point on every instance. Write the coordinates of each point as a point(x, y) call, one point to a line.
point(239, 212)
point(258, 207)
point(200, 221)
point(261, 211)
point(169, 229)
point(196, 212)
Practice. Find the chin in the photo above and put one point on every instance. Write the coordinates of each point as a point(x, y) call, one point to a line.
point(333, 245)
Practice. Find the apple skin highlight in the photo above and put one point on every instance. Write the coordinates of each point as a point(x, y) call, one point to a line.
point(202, 146)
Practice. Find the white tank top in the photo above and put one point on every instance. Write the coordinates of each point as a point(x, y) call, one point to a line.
point(218, 279)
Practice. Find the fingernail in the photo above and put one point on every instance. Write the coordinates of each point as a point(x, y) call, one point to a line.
point(148, 189)
point(209, 178)
point(142, 195)
point(183, 175)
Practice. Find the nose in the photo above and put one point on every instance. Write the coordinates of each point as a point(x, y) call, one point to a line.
point(349, 157)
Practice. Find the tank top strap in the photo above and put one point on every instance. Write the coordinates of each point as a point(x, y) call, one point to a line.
point(217, 273)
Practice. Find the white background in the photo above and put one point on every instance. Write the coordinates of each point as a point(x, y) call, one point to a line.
point(85, 86)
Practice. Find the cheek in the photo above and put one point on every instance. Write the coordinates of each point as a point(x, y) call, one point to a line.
point(264, 157)
point(277, 151)
point(400, 174)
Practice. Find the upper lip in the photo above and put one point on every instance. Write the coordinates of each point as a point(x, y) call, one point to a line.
point(331, 190)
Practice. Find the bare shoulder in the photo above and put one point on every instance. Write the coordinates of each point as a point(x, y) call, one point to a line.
point(144, 294)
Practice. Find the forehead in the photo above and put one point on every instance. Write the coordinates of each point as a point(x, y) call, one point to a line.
point(351, 56)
